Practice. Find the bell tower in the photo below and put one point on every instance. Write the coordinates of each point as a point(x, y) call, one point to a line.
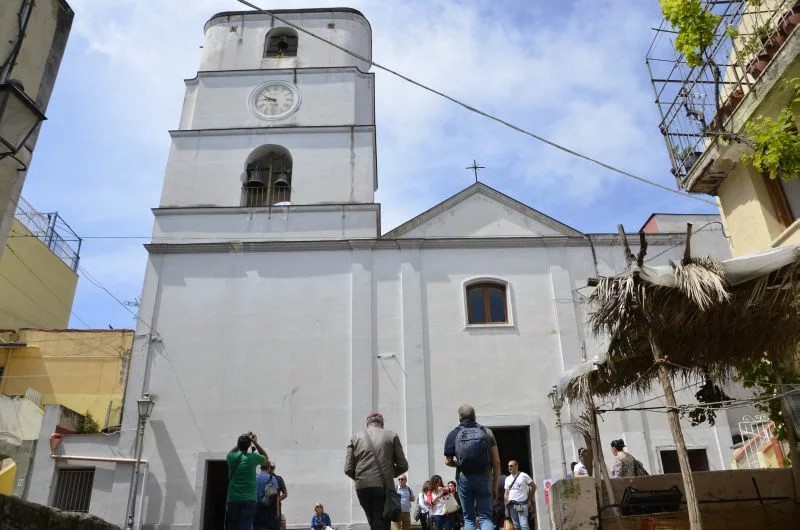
point(276, 121)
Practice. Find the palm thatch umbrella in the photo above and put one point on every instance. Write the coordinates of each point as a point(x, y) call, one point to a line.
point(702, 315)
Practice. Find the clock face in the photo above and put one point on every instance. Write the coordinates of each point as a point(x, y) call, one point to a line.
point(274, 100)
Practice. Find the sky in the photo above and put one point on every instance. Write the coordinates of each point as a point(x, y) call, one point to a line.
point(571, 71)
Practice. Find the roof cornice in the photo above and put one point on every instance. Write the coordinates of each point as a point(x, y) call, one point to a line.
point(233, 246)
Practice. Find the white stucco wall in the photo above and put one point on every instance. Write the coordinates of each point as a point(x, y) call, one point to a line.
point(236, 41)
point(220, 100)
point(330, 165)
point(287, 344)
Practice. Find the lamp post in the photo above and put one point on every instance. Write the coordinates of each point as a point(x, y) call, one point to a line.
point(145, 406)
point(557, 401)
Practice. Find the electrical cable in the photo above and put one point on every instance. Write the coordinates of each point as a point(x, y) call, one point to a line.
point(478, 111)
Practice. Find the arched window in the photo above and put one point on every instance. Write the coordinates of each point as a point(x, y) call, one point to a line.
point(281, 42)
point(487, 303)
point(268, 177)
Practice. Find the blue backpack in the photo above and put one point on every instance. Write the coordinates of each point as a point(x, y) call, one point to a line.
point(472, 449)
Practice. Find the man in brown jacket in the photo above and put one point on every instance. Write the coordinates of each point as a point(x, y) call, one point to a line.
point(372, 472)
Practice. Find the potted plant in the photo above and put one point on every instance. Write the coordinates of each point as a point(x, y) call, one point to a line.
point(755, 44)
point(694, 25)
point(791, 19)
point(686, 156)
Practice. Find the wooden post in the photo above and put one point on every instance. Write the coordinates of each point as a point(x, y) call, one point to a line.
point(692, 506)
point(600, 469)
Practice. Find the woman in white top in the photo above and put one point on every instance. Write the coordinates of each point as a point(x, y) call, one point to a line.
point(439, 506)
point(425, 504)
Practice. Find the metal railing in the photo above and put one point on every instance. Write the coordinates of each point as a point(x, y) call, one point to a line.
point(695, 101)
point(74, 489)
point(53, 231)
point(254, 196)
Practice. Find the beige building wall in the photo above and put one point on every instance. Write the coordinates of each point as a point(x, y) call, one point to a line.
point(748, 211)
point(36, 287)
point(36, 68)
point(82, 370)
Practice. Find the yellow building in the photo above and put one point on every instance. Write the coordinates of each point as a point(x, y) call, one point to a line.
point(38, 271)
point(706, 110)
point(84, 370)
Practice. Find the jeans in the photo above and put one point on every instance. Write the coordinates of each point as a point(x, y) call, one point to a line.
point(240, 515)
point(443, 522)
point(372, 501)
point(475, 491)
point(520, 519)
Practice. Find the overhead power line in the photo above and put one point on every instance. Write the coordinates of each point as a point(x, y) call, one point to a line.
point(478, 111)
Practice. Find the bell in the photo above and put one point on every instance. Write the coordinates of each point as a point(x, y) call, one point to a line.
point(256, 178)
point(283, 43)
point(282, 180)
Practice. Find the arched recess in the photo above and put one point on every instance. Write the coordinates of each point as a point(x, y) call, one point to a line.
point(281, 42)
point(268, 177)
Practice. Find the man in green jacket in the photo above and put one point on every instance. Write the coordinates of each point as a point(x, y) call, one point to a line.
point(242, 467)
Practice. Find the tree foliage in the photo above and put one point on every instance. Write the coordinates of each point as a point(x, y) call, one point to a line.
point(761, 375)
point(88, 425)
point(695, 27)
point(776, 142)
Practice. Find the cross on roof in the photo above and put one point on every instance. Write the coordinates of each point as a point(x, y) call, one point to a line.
point(475, 167)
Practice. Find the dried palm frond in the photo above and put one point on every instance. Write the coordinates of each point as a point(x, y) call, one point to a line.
point(702, 282)
point(701, 323)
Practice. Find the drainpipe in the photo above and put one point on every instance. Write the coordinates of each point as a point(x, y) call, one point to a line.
point(116, 460)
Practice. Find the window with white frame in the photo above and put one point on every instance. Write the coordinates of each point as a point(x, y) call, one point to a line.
point(487, 302)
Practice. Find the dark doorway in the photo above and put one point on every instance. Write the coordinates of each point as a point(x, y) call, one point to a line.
point(216, 492)
point(514, 443)
point(698, 460)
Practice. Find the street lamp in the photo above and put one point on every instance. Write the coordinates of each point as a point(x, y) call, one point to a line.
point(145, 406)
point(557, 401)
point(19, 116)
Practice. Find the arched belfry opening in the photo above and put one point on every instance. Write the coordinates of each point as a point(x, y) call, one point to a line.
point(281, 42)
point(268, 177)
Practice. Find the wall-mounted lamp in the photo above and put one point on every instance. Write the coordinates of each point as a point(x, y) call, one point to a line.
point(19, 116)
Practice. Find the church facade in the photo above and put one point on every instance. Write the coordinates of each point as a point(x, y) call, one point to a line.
point(273, 303)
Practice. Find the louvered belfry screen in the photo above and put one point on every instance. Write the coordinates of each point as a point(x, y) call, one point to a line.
point(74, 489)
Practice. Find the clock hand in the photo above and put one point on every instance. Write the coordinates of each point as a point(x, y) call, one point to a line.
point(269, 98)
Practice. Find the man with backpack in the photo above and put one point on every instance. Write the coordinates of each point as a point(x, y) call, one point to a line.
point(472, 450)
point(267, 498)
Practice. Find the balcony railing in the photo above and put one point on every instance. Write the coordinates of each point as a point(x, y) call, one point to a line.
point(696, 102)
point(255, 196)
point(51, 230)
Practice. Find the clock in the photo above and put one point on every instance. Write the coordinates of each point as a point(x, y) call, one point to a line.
point(274, 100)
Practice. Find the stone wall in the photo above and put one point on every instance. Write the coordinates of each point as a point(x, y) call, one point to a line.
point(729, 500)
point(17, 514)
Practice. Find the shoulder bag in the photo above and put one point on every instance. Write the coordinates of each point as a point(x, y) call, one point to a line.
point(517, 505)
point(450, 503)
point(391, 506)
